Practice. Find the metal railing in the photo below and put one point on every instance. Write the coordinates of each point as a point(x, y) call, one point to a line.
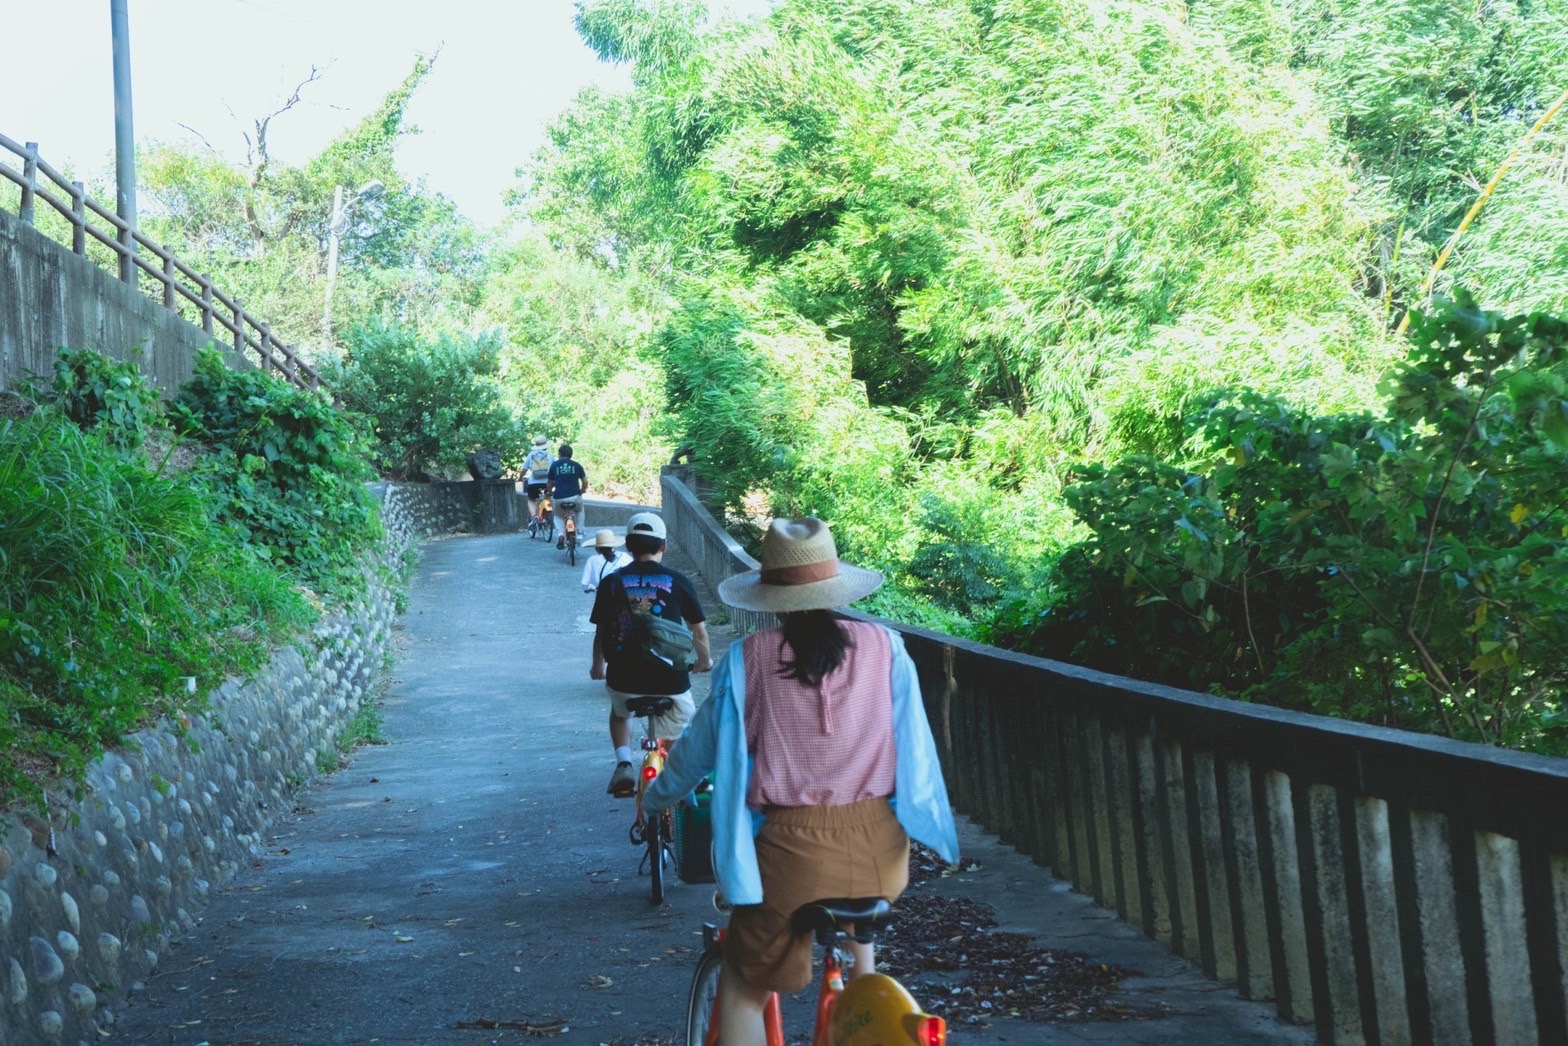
point(134, 255)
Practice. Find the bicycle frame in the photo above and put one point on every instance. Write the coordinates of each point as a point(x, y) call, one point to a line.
point(655, 752)
point(654, 833)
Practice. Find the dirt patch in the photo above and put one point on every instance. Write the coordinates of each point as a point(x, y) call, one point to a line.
point(13, 405)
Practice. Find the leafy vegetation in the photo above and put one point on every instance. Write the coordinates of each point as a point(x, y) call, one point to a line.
point(115, 585)
point(1407, 567)
point(429, 400)
point(956, 277)
point(97, 392)
point(288, 472)
point(122, 578)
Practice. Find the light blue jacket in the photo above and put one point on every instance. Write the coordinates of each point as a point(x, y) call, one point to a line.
point(715, 740)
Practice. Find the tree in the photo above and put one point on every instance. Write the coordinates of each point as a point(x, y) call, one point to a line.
point(1405, 566)
point(261, 228)
point(431, 400)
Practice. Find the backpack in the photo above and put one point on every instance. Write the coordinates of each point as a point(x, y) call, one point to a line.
point(539, 463)
point(654, 641)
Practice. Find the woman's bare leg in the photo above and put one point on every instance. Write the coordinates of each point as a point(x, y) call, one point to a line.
point(740, 1010)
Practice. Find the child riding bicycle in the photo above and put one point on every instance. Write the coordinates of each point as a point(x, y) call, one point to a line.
point(567, 483)
point(813, 726)
point(643, 586)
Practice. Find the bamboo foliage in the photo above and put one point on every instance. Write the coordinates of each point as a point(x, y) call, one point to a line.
point(1038, 231)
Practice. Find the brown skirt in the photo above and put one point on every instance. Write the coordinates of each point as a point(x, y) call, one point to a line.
point(807, 854)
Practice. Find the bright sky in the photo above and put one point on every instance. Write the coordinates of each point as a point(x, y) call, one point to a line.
point(506, 67)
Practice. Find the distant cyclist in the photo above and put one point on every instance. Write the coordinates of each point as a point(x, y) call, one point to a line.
point(568, 482)
point(536, 474)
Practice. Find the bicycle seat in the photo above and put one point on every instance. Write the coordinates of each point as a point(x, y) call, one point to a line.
point(823, 918)
point(649, 705)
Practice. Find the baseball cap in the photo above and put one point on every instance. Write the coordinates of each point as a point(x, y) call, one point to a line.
point(647, 523)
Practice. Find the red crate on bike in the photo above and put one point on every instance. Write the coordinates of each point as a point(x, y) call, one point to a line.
point(694, 838)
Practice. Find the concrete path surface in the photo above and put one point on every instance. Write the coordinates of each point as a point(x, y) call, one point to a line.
point(471, 882)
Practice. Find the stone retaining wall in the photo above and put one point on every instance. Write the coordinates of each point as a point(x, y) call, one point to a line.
point(90, 898)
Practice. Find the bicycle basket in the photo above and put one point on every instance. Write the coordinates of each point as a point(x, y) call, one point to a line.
point(694, 838)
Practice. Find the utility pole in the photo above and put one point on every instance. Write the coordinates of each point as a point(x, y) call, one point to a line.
point(124, 138)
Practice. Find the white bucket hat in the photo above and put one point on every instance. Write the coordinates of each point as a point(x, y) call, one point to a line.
point(605, 539)
point(800, 571)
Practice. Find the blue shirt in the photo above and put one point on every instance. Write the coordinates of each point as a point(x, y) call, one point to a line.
point(715, 741)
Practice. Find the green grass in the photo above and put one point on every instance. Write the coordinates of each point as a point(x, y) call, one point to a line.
point(115, 585)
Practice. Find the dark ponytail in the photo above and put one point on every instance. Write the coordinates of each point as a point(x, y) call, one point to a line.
point(817, 641)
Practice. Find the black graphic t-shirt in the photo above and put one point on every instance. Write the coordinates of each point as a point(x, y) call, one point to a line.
point(660, 590)
point(568, 476)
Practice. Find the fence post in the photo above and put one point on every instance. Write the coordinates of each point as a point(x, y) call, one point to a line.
point(206, 302)
point(168, 277)
point(239, 331)
point(127, 249)
point(79, 219)
point(268, 354)
point(29, 180)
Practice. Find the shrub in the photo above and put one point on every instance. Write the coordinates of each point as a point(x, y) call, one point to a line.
point(430, 401)
point(95, 391)
point(115, 585)
point(288, 472)
point(1407, 568)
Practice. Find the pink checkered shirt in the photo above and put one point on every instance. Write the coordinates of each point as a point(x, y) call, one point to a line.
point(820, 746)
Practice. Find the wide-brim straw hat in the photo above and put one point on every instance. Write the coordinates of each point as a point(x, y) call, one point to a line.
point(605, 539)
point(540, 441)
point(800, 571)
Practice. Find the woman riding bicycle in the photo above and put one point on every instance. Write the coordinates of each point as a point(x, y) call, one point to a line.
point(811, 727)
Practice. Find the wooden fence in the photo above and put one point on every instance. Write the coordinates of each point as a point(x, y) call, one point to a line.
point(135, 257)
point(1384, 886)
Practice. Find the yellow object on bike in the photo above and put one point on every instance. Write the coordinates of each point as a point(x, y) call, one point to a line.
point(876, 1009)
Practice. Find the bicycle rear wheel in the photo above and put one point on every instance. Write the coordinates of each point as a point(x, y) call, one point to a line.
point(571, 546)
point(656, 857)
point(702, 1008)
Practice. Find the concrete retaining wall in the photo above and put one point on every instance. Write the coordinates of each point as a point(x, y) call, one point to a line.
point(90, 898)
point(52, 299)
point(717, 554)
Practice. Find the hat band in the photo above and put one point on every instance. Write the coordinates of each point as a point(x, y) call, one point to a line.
point(803, 574)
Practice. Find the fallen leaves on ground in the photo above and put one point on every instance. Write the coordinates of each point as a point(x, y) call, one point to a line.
point(946, 952)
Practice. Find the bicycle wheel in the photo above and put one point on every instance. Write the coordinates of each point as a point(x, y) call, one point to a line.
point(655, 835)
point(571, 546)
point(702, 1017)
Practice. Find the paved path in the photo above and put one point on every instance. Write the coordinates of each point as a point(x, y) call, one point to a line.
point(473, 870)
